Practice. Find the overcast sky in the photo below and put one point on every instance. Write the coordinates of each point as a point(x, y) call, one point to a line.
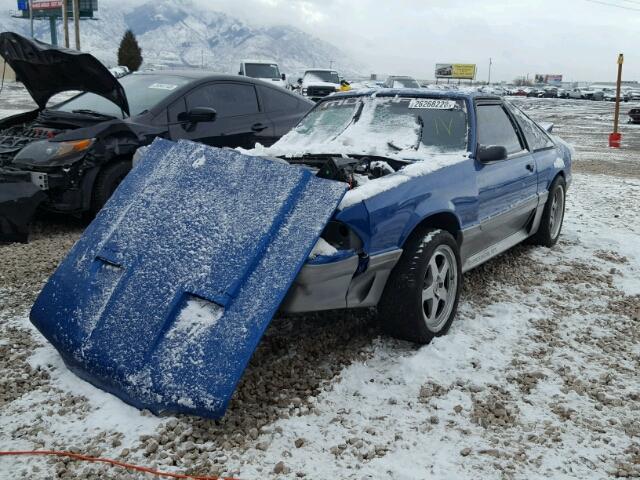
point(577, 38)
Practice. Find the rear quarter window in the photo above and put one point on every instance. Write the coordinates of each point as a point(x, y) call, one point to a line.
point(274, 100)
point(537, 139)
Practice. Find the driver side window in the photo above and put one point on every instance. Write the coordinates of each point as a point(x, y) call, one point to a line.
point(495, 128)
point(228, 99)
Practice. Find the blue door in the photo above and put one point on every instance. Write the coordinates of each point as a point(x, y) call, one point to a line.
point(507, 189)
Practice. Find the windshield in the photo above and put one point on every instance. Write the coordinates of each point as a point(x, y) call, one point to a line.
point(407, 128)
point(262, 70)
point(143, 92)
point(321, 76)
point(405, 83)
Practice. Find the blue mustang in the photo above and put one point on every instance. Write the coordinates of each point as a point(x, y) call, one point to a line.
point(440, 183)
point(167, 294)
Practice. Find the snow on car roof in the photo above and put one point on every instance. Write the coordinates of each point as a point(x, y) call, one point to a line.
point(415, 92)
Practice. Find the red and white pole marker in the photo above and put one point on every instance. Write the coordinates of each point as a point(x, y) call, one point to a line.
point(615, 137)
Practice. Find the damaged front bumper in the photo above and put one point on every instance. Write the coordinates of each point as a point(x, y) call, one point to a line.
point(341, 281)
point(20, 196)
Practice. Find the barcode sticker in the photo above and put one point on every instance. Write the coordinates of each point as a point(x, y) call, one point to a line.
point(432, 103)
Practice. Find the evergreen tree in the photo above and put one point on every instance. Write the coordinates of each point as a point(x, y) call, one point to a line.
point(130, 53)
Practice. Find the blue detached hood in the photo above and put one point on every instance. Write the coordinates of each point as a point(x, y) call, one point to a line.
point(166, 295)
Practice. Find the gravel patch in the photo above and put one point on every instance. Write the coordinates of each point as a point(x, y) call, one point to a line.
point(537, 378)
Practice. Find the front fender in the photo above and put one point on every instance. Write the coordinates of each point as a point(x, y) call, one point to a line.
point(395, 213)
point(429, 209)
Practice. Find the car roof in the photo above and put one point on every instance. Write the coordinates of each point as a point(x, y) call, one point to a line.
point(253, 60)
point(204, 76)
point(200, 77)
point(415, 92)
point(195, 74)
point(320, 70)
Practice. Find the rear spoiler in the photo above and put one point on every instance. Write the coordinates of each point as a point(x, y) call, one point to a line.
point(547, 126)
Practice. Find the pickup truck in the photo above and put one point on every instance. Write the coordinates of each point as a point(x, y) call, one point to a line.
point(317, 83)
point(264, 70)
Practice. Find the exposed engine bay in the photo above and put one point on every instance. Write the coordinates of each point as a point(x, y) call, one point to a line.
point(353, 169)
point(15, 138)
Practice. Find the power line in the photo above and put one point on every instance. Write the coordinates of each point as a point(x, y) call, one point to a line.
point(614, 5)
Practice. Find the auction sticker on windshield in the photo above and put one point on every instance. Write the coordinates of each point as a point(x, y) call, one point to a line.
point(432, 103)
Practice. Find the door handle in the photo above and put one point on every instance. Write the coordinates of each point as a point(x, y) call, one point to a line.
point(258, 127)
point(530, 167)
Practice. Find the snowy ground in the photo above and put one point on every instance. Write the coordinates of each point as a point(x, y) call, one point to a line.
point(536, 379)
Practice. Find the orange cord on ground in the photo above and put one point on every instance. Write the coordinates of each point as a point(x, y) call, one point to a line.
point(87, 458)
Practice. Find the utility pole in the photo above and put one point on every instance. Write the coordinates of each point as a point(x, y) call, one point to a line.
point(489, 80)
point(330, 64)
point(31, 16)
point(76, 22)
point(65, 23)
point(615, 137)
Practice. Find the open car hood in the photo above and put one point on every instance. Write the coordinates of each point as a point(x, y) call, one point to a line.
point(46, 70)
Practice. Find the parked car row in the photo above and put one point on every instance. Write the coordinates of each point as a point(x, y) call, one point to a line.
point(589, 93)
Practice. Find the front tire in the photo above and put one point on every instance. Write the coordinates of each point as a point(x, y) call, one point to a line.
point(106, 183)
point(552, 216)
point(421, 297)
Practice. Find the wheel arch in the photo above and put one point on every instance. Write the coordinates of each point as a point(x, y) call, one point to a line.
point(89, 181)
point(445, 220)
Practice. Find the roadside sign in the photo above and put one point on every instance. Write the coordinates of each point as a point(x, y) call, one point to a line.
point(46, 4)
point(465, 71)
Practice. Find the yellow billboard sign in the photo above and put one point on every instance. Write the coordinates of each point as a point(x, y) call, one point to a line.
point(456, 70)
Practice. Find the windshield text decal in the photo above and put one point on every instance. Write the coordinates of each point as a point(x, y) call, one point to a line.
point(431, 103)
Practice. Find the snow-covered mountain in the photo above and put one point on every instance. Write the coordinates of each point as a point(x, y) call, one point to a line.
point(182, 33)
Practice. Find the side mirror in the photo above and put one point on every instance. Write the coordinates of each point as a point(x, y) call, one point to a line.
point(196, 115)
point(283, 76)
point(299, 81)
point(240, 72)
point(491, 153)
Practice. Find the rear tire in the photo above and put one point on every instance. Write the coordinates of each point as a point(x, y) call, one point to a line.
point(421, 296)
point(552, 216)
point(106, 183)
